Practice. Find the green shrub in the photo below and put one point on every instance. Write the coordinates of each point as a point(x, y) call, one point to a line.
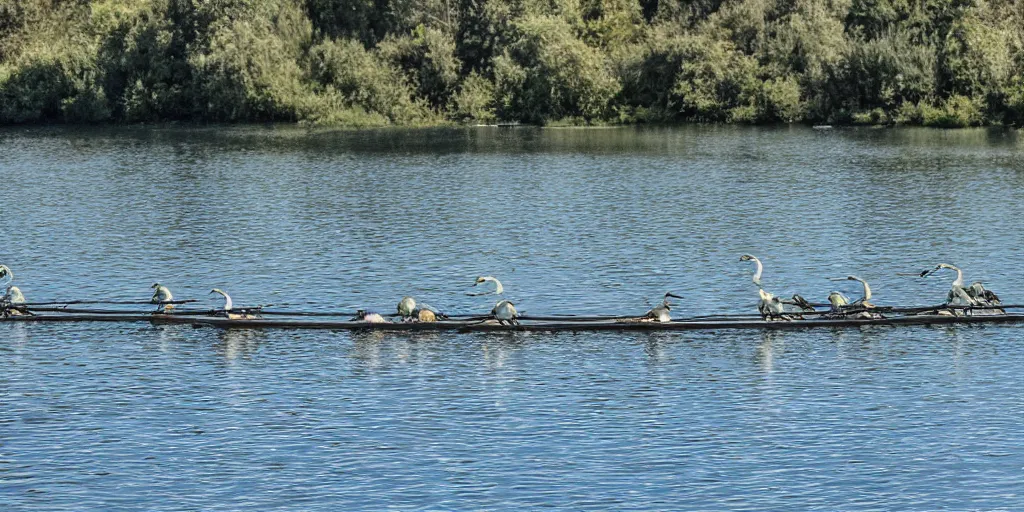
point(550, 74)
point(475, 100)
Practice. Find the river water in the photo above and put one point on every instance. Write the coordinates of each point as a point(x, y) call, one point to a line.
point(136, 417)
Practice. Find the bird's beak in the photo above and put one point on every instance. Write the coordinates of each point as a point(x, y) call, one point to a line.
point(673, 295)
point(926, 272)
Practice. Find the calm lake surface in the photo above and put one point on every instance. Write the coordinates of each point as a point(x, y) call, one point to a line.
point(136, 417)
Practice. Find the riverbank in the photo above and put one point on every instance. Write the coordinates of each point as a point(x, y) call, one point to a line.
point(335, 63)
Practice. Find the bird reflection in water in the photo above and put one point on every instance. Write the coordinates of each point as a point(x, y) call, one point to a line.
point(771, 341)
point(237, 343)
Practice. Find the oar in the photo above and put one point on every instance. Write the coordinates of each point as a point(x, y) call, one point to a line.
point(118, 302)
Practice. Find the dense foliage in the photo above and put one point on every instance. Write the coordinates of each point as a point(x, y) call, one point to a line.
point(414, 62)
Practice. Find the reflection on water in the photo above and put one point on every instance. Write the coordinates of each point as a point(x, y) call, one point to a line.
point(101, 417)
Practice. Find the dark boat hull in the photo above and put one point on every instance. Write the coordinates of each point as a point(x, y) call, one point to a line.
point(544, 326)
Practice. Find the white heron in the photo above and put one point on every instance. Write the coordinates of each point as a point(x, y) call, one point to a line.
point(161, 296)
point(977, 295)
point(770, 306)
point(228, 305)
point(840, 303)
point(661, 312)
point(504, 311)
point(498, 289)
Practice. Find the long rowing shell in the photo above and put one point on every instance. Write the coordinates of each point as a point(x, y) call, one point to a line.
point(488, 326)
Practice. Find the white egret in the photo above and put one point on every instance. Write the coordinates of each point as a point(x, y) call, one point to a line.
point(760, 267)
point(769, 306)
point(162, 296)
point(976, 295)
point(228, 305)
point(498, 289)
point(504, 311)
point(841, 305)
point(957, 295)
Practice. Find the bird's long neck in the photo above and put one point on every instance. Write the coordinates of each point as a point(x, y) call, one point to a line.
point(757, 273)
point(867, 290)
point(498, 289)
point(959, 277)
point(227, 301)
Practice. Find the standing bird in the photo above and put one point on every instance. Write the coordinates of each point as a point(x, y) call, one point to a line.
point(770, 306)
point(661, 312)
point(162, 296)
point(228, 307)
point(987, 299)
point(504, 311)
point(838, 301)
point(406, 308)
point(841, 305)
point(12, 303)
point(13, 300)
point(960, 296)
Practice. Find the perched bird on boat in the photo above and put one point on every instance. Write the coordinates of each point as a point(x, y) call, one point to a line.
point(984, 298)
point(425, 315)
point(957, 295)
point(960, 296)
point(837, 301)
point(802, 303)
point(228, 305)
point(161, 296)
point(505, 312)
point(406, 307)
point(770, 306)
point(12, 302)
point(369, 317)
point(843, 308)
point(661, 313)
point(867, 292)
